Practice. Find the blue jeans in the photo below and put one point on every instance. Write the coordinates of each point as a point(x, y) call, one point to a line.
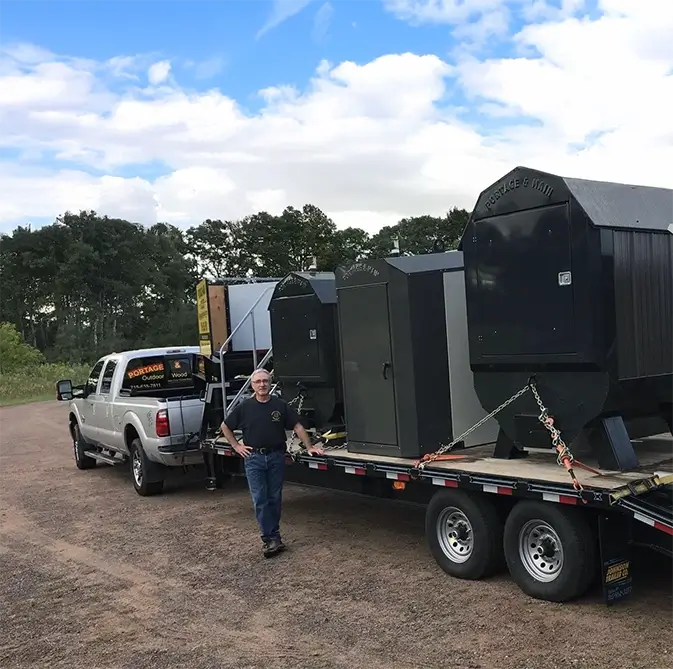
point(265, 474)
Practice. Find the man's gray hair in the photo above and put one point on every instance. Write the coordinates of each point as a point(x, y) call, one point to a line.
point(261, 370)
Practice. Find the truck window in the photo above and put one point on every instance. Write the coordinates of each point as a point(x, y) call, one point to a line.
point(179, 372)
point(106, 383)
point(155, 372)
point(94, 375)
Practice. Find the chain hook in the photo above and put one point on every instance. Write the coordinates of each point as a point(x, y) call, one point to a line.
point(565, 458)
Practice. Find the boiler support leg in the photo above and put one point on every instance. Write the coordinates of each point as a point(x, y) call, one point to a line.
point(667, 413)
point(506, 449)
point(611, 445)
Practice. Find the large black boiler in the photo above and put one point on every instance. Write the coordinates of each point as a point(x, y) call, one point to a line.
point(571, 282)
point(303, 315)
point(408, 386)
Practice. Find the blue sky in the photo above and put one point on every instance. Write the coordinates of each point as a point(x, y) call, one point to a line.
point(223, 36)
point(436, 107)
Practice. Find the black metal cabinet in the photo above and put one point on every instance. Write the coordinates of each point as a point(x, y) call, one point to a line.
point(306, 358)
point(393, 341)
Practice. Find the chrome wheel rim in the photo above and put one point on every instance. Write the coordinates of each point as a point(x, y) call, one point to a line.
point(137, 467)
point(75, 440)
point(455, 534)
point(540, 551)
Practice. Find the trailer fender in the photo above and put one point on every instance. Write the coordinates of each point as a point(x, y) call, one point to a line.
point(464, 532)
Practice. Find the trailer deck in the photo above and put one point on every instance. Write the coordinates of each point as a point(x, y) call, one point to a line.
point(656, 457)
point(537, 475)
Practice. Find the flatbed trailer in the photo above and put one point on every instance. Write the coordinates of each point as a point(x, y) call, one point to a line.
point(485, 514)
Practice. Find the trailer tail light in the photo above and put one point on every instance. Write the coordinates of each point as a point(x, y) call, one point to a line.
point(163, 429)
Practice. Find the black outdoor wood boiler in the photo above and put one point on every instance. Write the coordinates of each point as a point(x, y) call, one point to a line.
point(571, 282)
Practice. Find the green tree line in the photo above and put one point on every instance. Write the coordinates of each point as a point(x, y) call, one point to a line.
point(88, 284)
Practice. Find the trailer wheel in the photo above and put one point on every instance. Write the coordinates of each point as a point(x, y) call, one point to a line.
point(464, 533)
point(141, 469)
point(550, 550)
point(79, 446)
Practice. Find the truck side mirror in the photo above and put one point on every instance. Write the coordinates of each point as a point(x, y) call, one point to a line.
point(64, 390)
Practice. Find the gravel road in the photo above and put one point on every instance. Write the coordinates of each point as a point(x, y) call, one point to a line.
point(95, 576)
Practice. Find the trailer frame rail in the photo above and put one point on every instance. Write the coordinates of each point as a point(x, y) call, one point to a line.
point(627, 497)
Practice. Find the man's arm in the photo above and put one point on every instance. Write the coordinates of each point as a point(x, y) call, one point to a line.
point(232, 420)
point(306, 440)
point(292, 422)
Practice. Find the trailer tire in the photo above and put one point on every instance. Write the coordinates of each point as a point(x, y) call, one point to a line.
point(564, 534)
point(79, 447)
point(142, 470)
point(464, 533)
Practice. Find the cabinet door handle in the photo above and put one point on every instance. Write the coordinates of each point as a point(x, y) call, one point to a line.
point(383, 369)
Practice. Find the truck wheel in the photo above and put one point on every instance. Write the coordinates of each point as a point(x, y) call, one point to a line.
point(141, 469)
point(79, 446)
point(464, 533)
point(550, 550)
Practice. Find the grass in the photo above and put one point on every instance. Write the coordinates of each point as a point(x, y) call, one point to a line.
point(38, 383)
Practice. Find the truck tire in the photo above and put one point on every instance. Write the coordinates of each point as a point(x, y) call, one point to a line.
point(464, 533)
point(79, 446)
point(550, 550)
point(142, 470)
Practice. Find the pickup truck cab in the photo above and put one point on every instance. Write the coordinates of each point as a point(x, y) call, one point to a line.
point(140, 406)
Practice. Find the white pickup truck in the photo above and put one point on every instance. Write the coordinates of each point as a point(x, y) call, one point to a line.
point(139, 405)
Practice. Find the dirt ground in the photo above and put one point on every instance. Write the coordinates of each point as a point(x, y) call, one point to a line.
point(94, 576)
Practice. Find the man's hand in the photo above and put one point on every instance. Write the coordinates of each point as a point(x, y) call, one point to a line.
point(243, 450)
point(306, 440)
point(315, 450)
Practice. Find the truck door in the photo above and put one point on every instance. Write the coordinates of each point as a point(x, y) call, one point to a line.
point(89, 404)
point(107, 424)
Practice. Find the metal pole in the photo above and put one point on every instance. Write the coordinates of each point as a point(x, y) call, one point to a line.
point(224, 389)
point(254, 341)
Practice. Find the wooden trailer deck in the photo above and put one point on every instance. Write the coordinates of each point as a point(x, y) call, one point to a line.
point(654, 453)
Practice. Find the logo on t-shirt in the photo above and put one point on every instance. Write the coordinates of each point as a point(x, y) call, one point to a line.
point(275, 416)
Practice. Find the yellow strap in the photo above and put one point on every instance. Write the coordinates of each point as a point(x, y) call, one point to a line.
point(642, 486)
point(333, 435)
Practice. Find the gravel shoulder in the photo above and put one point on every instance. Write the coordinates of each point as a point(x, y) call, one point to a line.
point(92, 575)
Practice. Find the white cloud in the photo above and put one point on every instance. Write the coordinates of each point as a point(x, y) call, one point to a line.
point(473, 21)
point(368, 143)
point(476, 22)
point(535, 10)
point(158, 72)
point(441, 11)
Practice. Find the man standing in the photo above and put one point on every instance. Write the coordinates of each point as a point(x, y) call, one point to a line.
point(263, 419)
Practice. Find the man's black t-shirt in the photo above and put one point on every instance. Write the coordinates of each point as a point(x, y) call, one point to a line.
point(263, 423)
